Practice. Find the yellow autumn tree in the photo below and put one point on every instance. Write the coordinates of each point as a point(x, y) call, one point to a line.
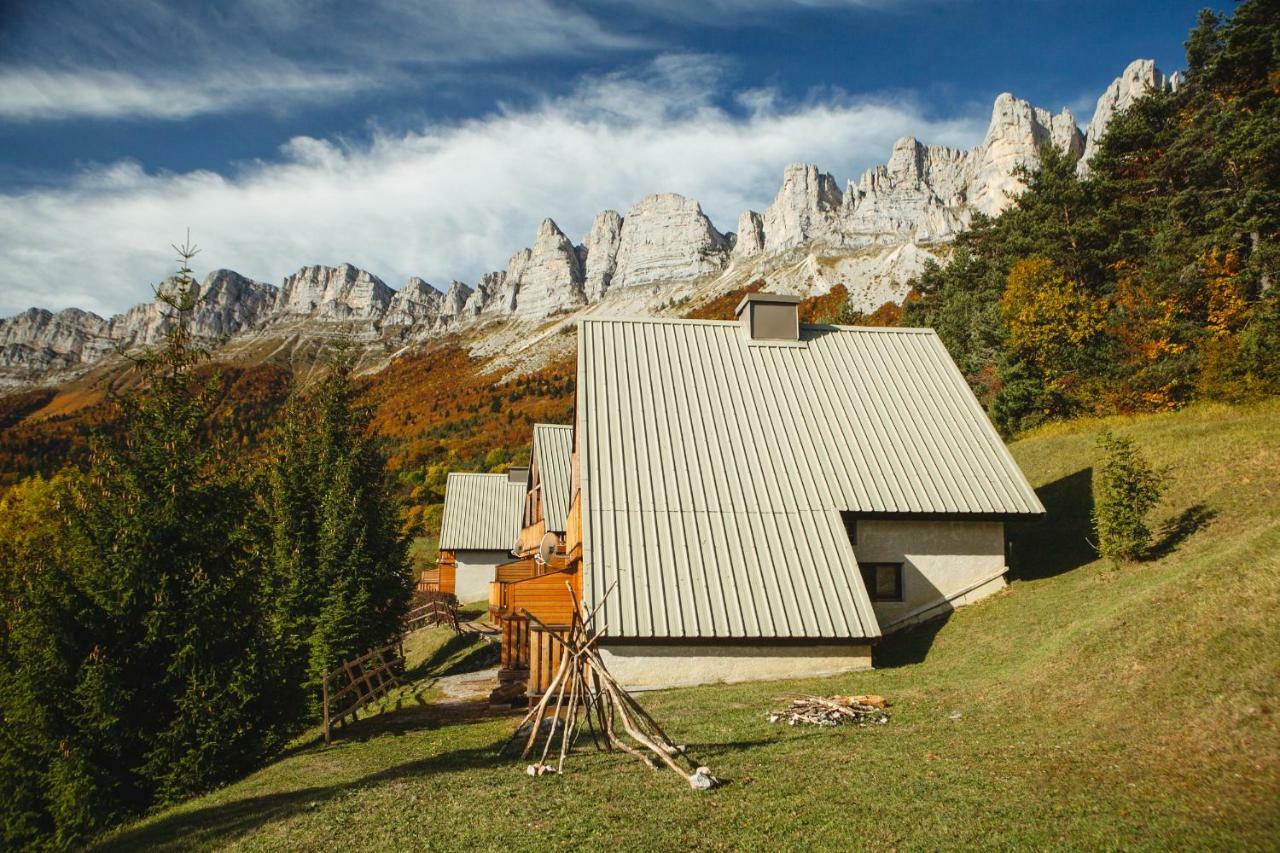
point(1047, 314)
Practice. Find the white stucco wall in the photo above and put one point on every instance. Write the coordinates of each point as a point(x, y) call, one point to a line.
point(944, 564)
point(475, 571)
point(642, 666)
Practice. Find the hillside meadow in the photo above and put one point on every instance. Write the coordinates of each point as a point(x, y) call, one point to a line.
point(1086, 706)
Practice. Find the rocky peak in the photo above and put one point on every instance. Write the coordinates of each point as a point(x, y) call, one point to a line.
point(548, 277)
point(489, 294)
point(334, 293)
point(1138, 78)
point(455, 299)
point(750, 236)
point(807, 205)
point(416, 302)
point(667, 237)
point(600, 253)
point(1014, 137)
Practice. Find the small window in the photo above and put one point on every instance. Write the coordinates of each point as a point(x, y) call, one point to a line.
point(883, 580)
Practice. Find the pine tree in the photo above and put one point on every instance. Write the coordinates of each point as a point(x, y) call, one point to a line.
point(340, 561)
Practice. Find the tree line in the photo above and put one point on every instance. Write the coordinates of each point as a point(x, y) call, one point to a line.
point(1148, 283)
point(169, 608)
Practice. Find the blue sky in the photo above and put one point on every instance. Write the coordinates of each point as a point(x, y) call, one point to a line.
point(430, 138)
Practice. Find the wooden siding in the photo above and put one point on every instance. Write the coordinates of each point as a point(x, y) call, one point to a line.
point(573, 524)
point(516, 570)
point(544, 596)
point(531, 537)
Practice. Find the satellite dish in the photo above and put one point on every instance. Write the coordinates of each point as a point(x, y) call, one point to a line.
point(547, 547)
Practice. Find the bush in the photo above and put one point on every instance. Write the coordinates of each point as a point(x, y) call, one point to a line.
point(1127, 489)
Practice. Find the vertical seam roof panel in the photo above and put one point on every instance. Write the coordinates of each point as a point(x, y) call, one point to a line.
point(553, 450)
point(714, 470)
point(481, 512)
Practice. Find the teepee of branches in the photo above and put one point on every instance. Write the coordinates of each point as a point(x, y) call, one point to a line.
point(584, 696)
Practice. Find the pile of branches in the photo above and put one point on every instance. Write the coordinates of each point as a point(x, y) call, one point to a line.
point(833, 711)
point(584, 696)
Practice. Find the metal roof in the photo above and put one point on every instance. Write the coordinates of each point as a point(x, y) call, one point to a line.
point(714, 470)
point(553, 450)
point(481, 512)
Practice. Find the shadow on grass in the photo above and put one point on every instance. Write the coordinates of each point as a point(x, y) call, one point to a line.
point(1179, 528)
point(1061, 541)
point(908, 646)
point(461, 653)
point(223, 823)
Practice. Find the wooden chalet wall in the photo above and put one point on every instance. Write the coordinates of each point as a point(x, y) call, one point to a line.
point(544, 596)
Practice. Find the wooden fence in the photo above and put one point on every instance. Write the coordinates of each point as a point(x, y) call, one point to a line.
point(359, 682)
point(440, 609)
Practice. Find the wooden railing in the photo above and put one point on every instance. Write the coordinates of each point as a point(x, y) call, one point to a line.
point(545, 596)
point(515, 643)
point(531, 537)
point(545, 652)
point(516, 570)
point(442, 578)
point(356, 683)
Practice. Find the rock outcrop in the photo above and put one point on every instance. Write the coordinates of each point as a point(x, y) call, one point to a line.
point(667, 237)
point(749, 240)
point(417, 302)
point(1014, 137)
point(807, 206)
point(1139, 78)
point(342, 293)
point(600, 253)
point(918, 195)
point(546, 279)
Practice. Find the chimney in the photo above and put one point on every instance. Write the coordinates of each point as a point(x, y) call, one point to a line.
point(517, 475)
point(770, 316)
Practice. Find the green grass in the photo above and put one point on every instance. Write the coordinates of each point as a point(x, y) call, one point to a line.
point(1097, 708)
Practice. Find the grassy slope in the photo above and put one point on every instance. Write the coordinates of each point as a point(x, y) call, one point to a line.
point(1096, 707)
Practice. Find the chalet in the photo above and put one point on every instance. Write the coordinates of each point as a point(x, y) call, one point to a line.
point(546, 503)
point(762, 498)
point(479, 527)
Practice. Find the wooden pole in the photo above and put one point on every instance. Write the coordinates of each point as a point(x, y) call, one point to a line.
point(324, 688)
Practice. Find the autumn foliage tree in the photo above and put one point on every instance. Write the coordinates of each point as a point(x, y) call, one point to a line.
point(1150, 282)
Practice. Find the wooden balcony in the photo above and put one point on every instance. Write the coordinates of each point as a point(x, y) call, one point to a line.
point(531, 538)
point(530, 656)
point(441, 578)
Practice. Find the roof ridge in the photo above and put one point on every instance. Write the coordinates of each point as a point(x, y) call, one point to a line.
point(689, 321)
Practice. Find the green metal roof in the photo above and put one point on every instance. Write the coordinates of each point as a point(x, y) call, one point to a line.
point(553, 452)
point(481, 512)
point(714, 469)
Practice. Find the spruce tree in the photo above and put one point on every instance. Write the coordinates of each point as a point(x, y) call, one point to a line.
point(136, 662)
point(340, 562)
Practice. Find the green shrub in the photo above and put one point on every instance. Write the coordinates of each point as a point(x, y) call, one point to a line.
point(1126, 489)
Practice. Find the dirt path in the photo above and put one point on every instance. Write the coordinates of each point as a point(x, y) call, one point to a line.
point(466, 688)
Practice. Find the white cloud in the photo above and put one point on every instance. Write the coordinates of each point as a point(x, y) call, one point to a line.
point(28, 94)
point(67, 59)
point(447, 201)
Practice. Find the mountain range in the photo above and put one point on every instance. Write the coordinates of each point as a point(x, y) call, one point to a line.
point(871, 237)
